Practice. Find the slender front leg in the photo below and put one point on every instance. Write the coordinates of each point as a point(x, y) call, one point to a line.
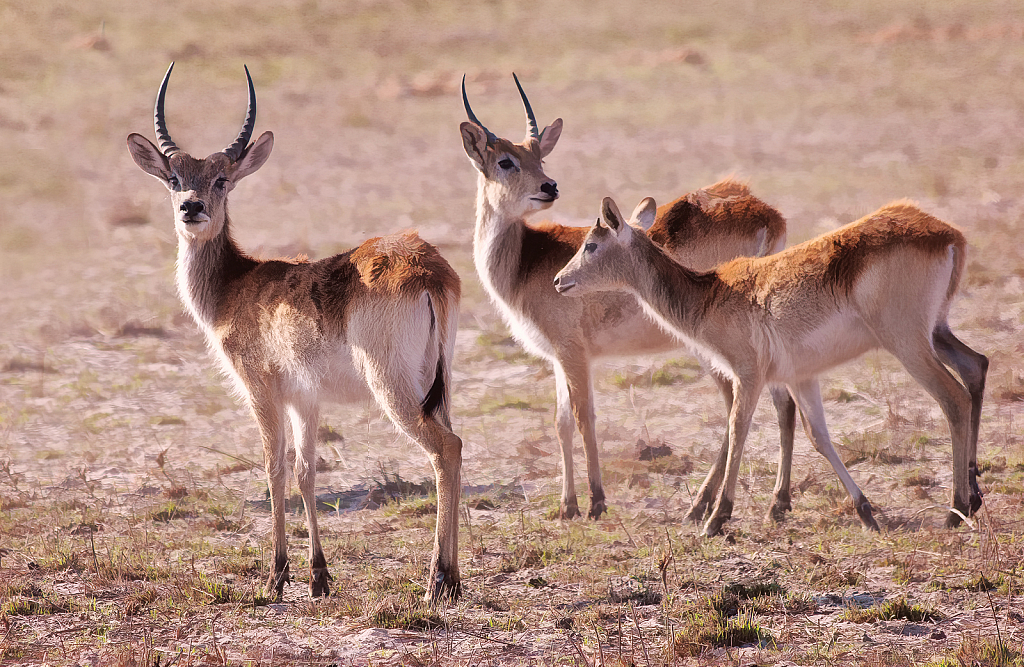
point(304, 425)
point(565, 428)
point(812, 414)
point(745, 394)
point(713, 482)
point(785, 408)
point(269, 413)
point(581, 395)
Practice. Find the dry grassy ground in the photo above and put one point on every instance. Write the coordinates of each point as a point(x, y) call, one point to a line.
point(133, 525)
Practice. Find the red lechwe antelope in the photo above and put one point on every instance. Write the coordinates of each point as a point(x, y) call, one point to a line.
point(517, 262)
point(290, 333)
point(885, 281)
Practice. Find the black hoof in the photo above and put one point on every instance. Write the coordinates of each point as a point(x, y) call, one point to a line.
point(953, 520)
point(319, 582)
point(780, 505)
point(569, 510)
point(597, 508)
point(721, 514)
point(714, 526)
point(967, 509)
point(276, 582)
point(444, 587)
point(866, 517)
point(697, 511)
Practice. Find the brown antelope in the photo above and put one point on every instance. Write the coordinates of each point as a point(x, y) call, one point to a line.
point(885, 281)
point(381, 317)
point(516, 263)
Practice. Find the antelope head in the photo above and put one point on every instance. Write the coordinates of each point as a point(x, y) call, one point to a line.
point(601, 262)
point(513, 175)
point(199, 187)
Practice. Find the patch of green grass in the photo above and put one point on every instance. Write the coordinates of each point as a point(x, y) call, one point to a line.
point(978, 652)
point(675, 371)
point(507, 403)
point(404, 612)
point(418, 507)
point(170, 511)
point(706, 630)
point(203, 589)
point(62, 558)
point(892, 610)
point(164, 420)
point(139, 600)
point(123, 563)
point(878, 447)
point(918, 478)
point(981, 584)
point(527, 555)
point(503, 347)
point(504, 623)
point(30, 600)
point(725, 618)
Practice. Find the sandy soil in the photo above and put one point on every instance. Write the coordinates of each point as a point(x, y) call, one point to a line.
point(107, 394)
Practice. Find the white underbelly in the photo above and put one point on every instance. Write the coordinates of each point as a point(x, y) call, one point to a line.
point(832, 342)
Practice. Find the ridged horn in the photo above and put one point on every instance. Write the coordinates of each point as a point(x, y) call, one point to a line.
point(472, 116)
point(234, 151)
point(163, 137)
point(531, 120)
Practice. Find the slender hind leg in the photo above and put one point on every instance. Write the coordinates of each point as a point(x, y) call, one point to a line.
point(400, 397)
point(924, 365)
point(972, 367)
point(305, 419)
point(785, 408)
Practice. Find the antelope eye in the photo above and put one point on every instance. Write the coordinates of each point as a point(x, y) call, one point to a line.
point(506, 164)
point(220, 183)
point(174, 182)
point(590, 247)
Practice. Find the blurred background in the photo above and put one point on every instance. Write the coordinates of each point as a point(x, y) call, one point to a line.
point(829, 109)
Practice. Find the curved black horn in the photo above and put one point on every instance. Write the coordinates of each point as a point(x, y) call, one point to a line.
point(531, 120)
point(163, 137)
point(472, 116)
point(234, 151)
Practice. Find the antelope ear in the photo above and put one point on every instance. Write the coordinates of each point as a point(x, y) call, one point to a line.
point(644, 213)
point(148, 157)
point(474, 140)
point(254, 156)
point(549, 137)
point(610, 215)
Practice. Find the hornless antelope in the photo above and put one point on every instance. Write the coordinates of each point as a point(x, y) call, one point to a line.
point(517, 262)
point(885, 281)
point(380, 317)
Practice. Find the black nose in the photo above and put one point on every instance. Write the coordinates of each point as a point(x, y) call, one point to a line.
point(550, 189)
point(192, 207)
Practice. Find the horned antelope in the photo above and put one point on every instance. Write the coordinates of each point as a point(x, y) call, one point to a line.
point(376, 321)
point(885, 281)
point(516, 263)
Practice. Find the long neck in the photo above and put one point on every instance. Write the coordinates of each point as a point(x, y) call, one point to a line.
point(205, 269)
point(670, 292)
point(497, 244)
